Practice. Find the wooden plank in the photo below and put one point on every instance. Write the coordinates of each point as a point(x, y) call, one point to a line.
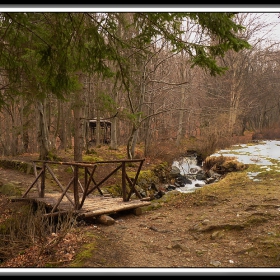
point(99, 212)
point(107, 205)
point(93, 206)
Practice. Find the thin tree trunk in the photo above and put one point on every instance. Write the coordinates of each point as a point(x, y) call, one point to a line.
point(130, 147)
point(113, 143)
point(97, 129)
point(61, 126)
point(134, 142)
point(181, 124)
point(68, 123)
point(43, 134)
point(78, 134)
point(114, 124)
point(234, 107)
point(78, 123)
point(182, 115)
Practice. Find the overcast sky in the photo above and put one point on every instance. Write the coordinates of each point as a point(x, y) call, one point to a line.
point(275, 21)
point(270, 10)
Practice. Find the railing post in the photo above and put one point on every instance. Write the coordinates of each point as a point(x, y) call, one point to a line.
point(76, 187)
point(43, 177)
point(35, 173)
point(123, 182)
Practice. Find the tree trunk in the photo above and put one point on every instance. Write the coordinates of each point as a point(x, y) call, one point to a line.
point(43, 140)
point(97, 129)
point(147, 139)
point(78, 134)
point(68, 122)
point(133, 143)
point(181, 124)
point(113, 143)
point(114, 125)
point(234, 106)
point(184, 75)
point(130, 147)
point(78, 123)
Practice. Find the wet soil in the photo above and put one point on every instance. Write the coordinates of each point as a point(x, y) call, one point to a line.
point(233, 223)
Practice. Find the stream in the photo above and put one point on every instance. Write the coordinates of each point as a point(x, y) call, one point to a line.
point(189, 174)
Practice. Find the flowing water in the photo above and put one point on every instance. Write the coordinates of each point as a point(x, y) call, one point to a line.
point(265, 153)
point(189, 168)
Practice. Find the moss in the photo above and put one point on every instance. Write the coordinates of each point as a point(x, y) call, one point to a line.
point(268, 174)
point(256, 220)
point(25, 167)
point(51, 265)
point(162, 172)
point(272, 173)
point(91, 158)
point(169, 197)
point(114, 190)
point(254, 168)
point(152, 207)
point(120, 156)
point(86, 252)
point(10, 189)
point(3, 228)
point(146, 178)
point(52, 156)
point(274, 161)
point(68, 169)
point(91, 152)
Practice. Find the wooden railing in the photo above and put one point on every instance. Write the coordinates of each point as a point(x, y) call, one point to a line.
point(89, 170)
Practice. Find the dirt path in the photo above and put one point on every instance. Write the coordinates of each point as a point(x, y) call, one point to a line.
point(233, 223)
point(194, 231)
point(15, 177)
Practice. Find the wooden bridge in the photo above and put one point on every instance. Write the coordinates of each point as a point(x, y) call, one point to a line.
point(82, 193)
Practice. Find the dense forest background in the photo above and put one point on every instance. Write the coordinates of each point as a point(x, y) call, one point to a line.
point(162, 80)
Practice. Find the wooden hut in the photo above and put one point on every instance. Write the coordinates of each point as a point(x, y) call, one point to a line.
point(105, 130)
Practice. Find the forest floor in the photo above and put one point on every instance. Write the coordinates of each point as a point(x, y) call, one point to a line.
point(233, 223)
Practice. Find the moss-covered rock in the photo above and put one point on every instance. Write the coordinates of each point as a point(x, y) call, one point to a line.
point(10, 189)
point(146, 178)
point(25, 167)
point(162, 171)
point(114, 190)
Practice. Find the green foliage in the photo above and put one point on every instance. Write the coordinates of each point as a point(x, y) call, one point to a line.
point(43, 52)
point(133, 117)
point(107, 102)
point(219, 29)
point(207, 62)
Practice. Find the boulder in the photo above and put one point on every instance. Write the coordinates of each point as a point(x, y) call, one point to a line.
point(105, 220)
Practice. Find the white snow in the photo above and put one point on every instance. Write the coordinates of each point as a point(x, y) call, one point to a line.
point(260, 153)
point(264, 153)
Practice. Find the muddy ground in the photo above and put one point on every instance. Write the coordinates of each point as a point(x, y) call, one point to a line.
point(233, 223)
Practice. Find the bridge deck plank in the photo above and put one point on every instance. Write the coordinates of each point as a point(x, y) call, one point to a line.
point(94, 205)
